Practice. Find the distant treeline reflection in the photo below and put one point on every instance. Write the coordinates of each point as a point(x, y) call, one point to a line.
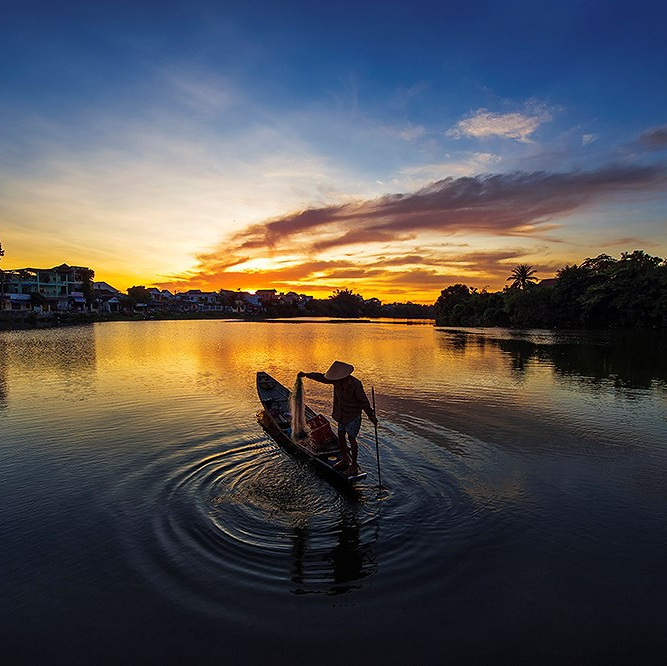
point(604, 292)
point(631, 359)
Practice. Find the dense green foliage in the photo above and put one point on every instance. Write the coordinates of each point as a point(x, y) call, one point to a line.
point(604, 292)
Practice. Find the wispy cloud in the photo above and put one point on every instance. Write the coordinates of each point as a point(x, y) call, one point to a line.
point(468, 164)
point(654, 139)
point(407, 132)
point(199, 90)
point(483, 124)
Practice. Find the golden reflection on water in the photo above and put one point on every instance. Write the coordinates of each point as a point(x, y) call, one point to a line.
point(49, 366)
point(3, 373)
point(418, 369)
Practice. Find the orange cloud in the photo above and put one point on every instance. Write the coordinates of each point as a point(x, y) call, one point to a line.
point(416, 277)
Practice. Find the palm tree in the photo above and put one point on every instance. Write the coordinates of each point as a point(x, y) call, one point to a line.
point(522, 276)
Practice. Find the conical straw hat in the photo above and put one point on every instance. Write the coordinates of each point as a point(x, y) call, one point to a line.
point(338, 370)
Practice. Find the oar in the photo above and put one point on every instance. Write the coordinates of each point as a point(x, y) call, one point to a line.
point(377, 445)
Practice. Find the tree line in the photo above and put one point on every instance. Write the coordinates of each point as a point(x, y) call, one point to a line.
point(601, 292)
point(346, 303)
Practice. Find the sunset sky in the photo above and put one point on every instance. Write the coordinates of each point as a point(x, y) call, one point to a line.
point(390, 147)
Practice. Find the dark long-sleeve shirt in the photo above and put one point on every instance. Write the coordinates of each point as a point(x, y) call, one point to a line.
point(349, 398)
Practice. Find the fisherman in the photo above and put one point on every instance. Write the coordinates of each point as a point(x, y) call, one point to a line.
point(349, 399)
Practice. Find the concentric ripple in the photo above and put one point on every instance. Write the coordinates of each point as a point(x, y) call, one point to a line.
point(225, 510)
point(218, 521)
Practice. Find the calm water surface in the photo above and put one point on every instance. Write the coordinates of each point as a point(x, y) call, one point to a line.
point(147, 518)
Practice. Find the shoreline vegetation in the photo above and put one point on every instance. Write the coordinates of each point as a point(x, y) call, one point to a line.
point(600, 293)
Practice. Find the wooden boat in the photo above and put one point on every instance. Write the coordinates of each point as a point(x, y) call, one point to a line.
point(320, 445)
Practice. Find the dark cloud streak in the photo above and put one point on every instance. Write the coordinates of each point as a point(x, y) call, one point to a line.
point(654, 139)
point(513, 204)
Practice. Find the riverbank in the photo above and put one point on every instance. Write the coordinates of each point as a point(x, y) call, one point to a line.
point(30, 320)
point(16, 321)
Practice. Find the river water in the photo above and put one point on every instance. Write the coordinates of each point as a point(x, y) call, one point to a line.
point(147, 518)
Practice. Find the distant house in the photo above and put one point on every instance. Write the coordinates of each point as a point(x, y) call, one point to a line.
point(77, 302)
point(114, 304)
point(292, 298)
point(196, 300)
point(103, 292)
point(228, 299)
point(253, 300)
point(55, 287)
point(547, 282)
point(105, 297)
point(16, 302)
point(104, 288)
point(159, 296)
point(267, 295)
point(246, 302)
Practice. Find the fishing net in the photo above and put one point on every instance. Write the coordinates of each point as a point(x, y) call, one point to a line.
point(298, 409)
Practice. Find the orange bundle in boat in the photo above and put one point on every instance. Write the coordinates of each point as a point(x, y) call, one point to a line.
point(321, 434)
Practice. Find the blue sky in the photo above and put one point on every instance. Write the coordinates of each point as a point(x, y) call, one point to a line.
point(393, 148)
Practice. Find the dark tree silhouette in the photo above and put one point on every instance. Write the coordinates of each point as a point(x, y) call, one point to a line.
point(345, 303)
point(87, 278)
point(139, 294)
point(522, 276)
point(602, 292)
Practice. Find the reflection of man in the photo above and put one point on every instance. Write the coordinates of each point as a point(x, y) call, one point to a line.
point(348, 555)
point(351, 559)
point(349, 400)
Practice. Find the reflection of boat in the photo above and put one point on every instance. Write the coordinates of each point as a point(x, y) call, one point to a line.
point(320, 445)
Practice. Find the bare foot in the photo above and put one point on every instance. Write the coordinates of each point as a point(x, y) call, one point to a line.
point(352, 470)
